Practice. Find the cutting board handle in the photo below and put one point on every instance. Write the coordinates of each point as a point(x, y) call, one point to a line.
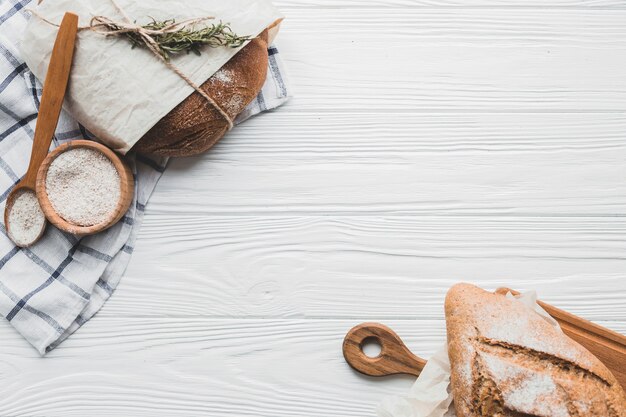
point(394, 358)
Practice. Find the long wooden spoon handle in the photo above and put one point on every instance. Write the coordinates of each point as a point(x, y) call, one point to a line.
point(394, 358)
point(53, 93)
point(605, 344)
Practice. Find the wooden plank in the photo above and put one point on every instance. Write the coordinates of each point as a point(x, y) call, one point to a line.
point(432, 164)
point(191, 366)
point(366, 268)
point(359, 202)
point(456, 60)
point(199, 366)
point(348, 136)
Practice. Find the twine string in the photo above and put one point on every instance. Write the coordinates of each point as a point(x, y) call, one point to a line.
point(108, 27)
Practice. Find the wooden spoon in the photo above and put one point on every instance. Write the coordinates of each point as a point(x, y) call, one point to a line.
point(49, 111)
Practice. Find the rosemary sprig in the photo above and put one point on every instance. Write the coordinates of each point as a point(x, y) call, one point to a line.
point(188, 38)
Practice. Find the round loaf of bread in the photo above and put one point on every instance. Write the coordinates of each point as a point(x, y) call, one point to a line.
point(195, 125)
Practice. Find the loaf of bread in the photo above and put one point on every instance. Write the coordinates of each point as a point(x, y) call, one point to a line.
point(507, 360)
point(195, 125)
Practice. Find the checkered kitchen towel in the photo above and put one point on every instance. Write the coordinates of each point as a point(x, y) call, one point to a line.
point(49, 290)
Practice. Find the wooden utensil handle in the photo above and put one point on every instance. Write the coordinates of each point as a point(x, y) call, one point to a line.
point(606, 345)
point(394, 358)
point(53, 93)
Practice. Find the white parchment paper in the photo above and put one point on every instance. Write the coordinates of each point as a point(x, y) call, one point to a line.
point(430, 396)
point(119, 93)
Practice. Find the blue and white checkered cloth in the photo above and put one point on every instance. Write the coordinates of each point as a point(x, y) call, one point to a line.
point(51, 289)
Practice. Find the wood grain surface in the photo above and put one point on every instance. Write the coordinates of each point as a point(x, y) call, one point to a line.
point(429, 142)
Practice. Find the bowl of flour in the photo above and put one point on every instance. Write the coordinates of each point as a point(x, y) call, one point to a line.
point(83, 187)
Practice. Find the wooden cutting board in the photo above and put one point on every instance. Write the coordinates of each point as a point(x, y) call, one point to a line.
point(395, 358)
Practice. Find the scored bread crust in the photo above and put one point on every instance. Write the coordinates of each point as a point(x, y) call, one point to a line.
point(507, 360)
point(195, 125)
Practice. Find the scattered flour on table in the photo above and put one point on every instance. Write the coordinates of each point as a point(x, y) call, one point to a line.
point(25, 218)
point(83, 186)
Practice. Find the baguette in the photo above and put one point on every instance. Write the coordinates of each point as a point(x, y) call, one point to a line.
point(506, 360)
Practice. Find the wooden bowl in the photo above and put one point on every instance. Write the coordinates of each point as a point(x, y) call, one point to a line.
point(127, 189)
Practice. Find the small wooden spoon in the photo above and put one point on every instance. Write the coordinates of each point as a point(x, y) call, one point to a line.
point(49, 111)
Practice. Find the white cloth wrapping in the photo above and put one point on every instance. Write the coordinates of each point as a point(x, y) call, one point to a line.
point(51, 289)
point(119, 93)
point(430, 396)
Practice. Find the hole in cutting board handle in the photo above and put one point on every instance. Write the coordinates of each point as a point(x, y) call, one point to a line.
point(394, 357)
point(372, 347)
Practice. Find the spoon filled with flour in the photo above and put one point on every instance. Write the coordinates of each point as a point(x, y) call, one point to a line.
point(25, 219)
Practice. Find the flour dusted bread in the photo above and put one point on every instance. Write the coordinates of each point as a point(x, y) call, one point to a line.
point(195, 125)
point(508, 361)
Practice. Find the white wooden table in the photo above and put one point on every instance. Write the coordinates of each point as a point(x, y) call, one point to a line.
point(431, 141)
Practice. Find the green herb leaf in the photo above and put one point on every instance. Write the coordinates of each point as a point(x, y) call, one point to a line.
point(187, 39)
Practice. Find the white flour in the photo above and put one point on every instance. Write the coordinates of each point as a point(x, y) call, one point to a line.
point(523, 389)
point(26, 220)
point(83, 186)
point(223, 75)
